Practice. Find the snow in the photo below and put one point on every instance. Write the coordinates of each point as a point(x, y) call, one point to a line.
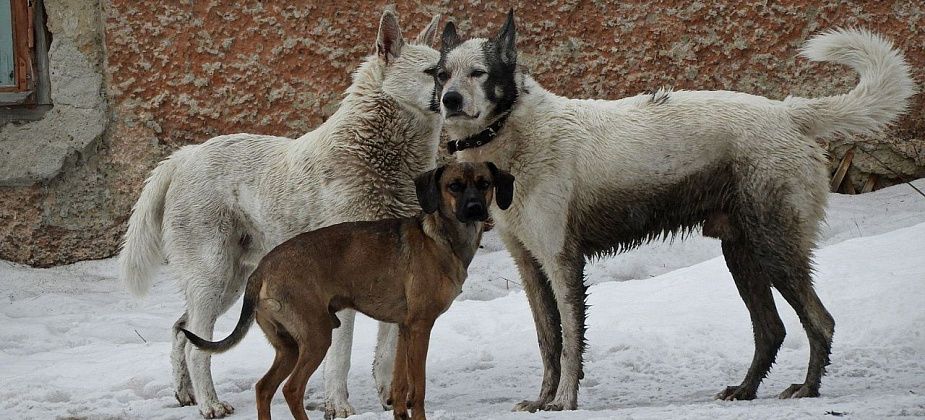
point(667, 330)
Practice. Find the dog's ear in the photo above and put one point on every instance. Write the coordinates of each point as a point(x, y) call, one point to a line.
point(450, 38)
point(389, 41)
point(507, 39)
point(427, 186)
point(429, 35)
point(504, 186)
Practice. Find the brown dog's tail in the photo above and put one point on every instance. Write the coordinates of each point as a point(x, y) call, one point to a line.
point(248, 310)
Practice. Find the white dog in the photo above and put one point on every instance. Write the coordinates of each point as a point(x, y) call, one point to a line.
point(597, 177)
point(213, 210)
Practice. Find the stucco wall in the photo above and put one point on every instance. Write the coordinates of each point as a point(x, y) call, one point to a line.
point(180, 72)
point(49, 187)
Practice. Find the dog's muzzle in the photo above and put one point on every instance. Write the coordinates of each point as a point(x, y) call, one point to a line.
point(453, 102)
point(474, 211)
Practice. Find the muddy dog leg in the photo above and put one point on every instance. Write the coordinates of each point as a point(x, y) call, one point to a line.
point(566, 274)
point(545, 317)
point(797, 288)
point(182, 384)
point(755, 288)
point(337, 366)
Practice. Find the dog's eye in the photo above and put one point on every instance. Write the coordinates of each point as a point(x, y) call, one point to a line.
point(443, 76)
point(482, 185)
point(430, 71)
point(477, 73)
point(456, 187)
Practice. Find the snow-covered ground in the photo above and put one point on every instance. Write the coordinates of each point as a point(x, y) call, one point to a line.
point(667, 330)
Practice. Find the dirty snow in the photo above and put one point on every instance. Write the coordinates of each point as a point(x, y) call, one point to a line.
point(667, 330)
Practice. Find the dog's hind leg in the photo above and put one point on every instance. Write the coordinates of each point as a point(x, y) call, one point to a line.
point(819, 326)
point(337, 366)
point(793, 279)
point(314, 338)
point(384, 361)
point(212, 287)
point(545, 317)
point(202, 323)
point(755, 289)
point(182, 384)
point(287, 353)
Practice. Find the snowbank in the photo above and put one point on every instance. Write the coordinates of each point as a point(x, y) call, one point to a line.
point(73, 343)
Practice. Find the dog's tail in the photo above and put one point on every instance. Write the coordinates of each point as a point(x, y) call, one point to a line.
point(141, 248)
point(248, 311)
point(879, 97)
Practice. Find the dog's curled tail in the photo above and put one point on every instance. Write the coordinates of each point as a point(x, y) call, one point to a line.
point(248, 310)
point(880, 96)
point(141, 248)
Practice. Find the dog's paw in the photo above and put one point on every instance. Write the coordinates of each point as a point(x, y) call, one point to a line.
point(185, 397)
point(337, 409)
point(385, 397)
point(400, 415)
point(215, 409)
point(529, 406)
point(554, 406)
point(732, 393)
point(799, 391)
point(560, 405)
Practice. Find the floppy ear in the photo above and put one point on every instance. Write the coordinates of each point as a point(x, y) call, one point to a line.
point(389, 41)
point(507, 39)
point(450, 38)
point(429, 35)
point(504, 186)
point(427, 186)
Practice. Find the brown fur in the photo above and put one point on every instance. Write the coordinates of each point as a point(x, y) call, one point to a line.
point(405, 271)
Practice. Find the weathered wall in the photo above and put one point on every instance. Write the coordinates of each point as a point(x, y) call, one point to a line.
point(51, 198)
point(179, 72)
point(37, 151)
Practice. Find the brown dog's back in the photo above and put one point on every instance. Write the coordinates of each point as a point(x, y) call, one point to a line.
point(328, 264)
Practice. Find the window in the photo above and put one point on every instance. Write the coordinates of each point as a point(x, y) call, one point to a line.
point(24, 87)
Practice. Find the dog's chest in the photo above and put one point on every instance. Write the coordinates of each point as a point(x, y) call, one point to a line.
point(537, 221)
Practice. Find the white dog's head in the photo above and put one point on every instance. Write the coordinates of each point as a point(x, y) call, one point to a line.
point(476, 78)
point(408, 68)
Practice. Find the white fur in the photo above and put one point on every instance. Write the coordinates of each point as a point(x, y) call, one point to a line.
point(566, 153)
point(143, 237)
point(884, 78)
point(213, 210)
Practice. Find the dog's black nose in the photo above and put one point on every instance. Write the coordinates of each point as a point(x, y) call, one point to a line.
point(475, 209)
point(453, 101)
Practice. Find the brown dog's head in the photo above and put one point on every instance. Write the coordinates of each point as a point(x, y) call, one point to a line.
point(464, 190)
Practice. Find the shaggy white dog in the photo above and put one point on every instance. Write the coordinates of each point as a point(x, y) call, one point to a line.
point(213, 210)
point(596, 177)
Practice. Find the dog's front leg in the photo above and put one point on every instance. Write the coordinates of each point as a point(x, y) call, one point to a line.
point(337, 366)
point(545, 317)
point(417, 366)
point(399, 400)
point(566, 275)
point(384, 361)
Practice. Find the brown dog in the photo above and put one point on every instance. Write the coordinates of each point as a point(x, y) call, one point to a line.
point(406, 271)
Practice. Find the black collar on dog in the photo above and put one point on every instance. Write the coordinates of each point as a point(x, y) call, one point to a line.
point(480, 139)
